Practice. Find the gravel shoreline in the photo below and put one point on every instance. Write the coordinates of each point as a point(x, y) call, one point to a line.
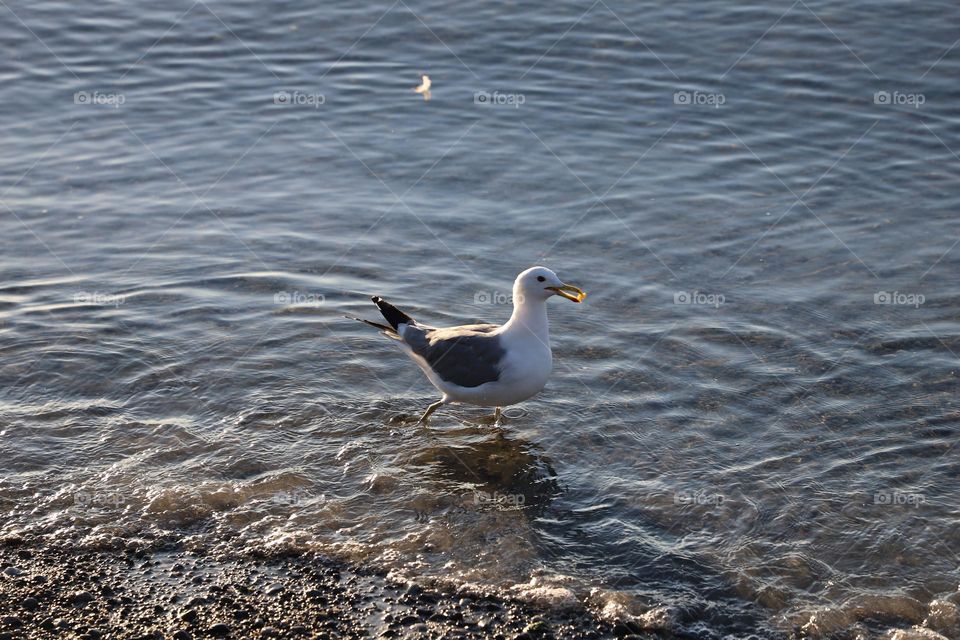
point(165, 592)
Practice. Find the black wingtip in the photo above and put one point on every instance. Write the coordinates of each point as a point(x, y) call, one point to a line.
point(376, 325)
point(393, 315)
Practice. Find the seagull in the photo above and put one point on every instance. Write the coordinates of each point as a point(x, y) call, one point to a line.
point(424, 87)
point(487, 365)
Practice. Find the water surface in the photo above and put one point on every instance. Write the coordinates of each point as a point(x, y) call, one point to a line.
point(751, 423)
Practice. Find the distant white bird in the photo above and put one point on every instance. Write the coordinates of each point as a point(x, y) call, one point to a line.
point(485, 364)
point(424, 87)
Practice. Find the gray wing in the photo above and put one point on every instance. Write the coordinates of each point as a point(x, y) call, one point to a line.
point(467, 356)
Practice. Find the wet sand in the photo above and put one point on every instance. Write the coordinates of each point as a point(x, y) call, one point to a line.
point(164, 591)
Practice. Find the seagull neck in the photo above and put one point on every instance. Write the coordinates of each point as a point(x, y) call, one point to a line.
point(529, 315)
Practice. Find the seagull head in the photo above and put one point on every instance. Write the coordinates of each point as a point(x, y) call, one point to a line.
point(539, 283)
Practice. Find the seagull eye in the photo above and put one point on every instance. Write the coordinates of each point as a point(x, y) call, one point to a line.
point(541, 279)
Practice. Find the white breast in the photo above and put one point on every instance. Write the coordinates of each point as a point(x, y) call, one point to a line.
point(527, 365)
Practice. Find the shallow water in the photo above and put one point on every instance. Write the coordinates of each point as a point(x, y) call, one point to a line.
point(740, 435)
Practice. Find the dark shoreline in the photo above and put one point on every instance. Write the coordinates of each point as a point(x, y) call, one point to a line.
point(165, 592)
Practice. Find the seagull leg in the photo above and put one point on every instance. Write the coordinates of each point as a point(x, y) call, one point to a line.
point(497, 414)
point(436, 405)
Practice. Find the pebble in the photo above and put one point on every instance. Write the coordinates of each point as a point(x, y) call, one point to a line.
point(219, 629)
point(12, 621)
point(30, 603)
point(623, 629)
point(81, 598)
point(182, 634)
point(274, 589)
point(12, 572)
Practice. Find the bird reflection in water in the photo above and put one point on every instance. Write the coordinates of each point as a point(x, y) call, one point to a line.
point(494, 471)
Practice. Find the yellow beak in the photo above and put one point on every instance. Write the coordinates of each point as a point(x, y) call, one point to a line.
point(569, 292)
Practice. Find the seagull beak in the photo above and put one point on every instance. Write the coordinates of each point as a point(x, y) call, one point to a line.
point(569, 292)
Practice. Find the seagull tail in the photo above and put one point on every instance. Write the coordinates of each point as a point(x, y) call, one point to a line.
point(393, 315)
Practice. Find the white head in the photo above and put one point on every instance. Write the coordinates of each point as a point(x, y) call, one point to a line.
point(539, 283)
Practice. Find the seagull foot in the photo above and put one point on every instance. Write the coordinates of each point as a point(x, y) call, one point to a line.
point(430, 409)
